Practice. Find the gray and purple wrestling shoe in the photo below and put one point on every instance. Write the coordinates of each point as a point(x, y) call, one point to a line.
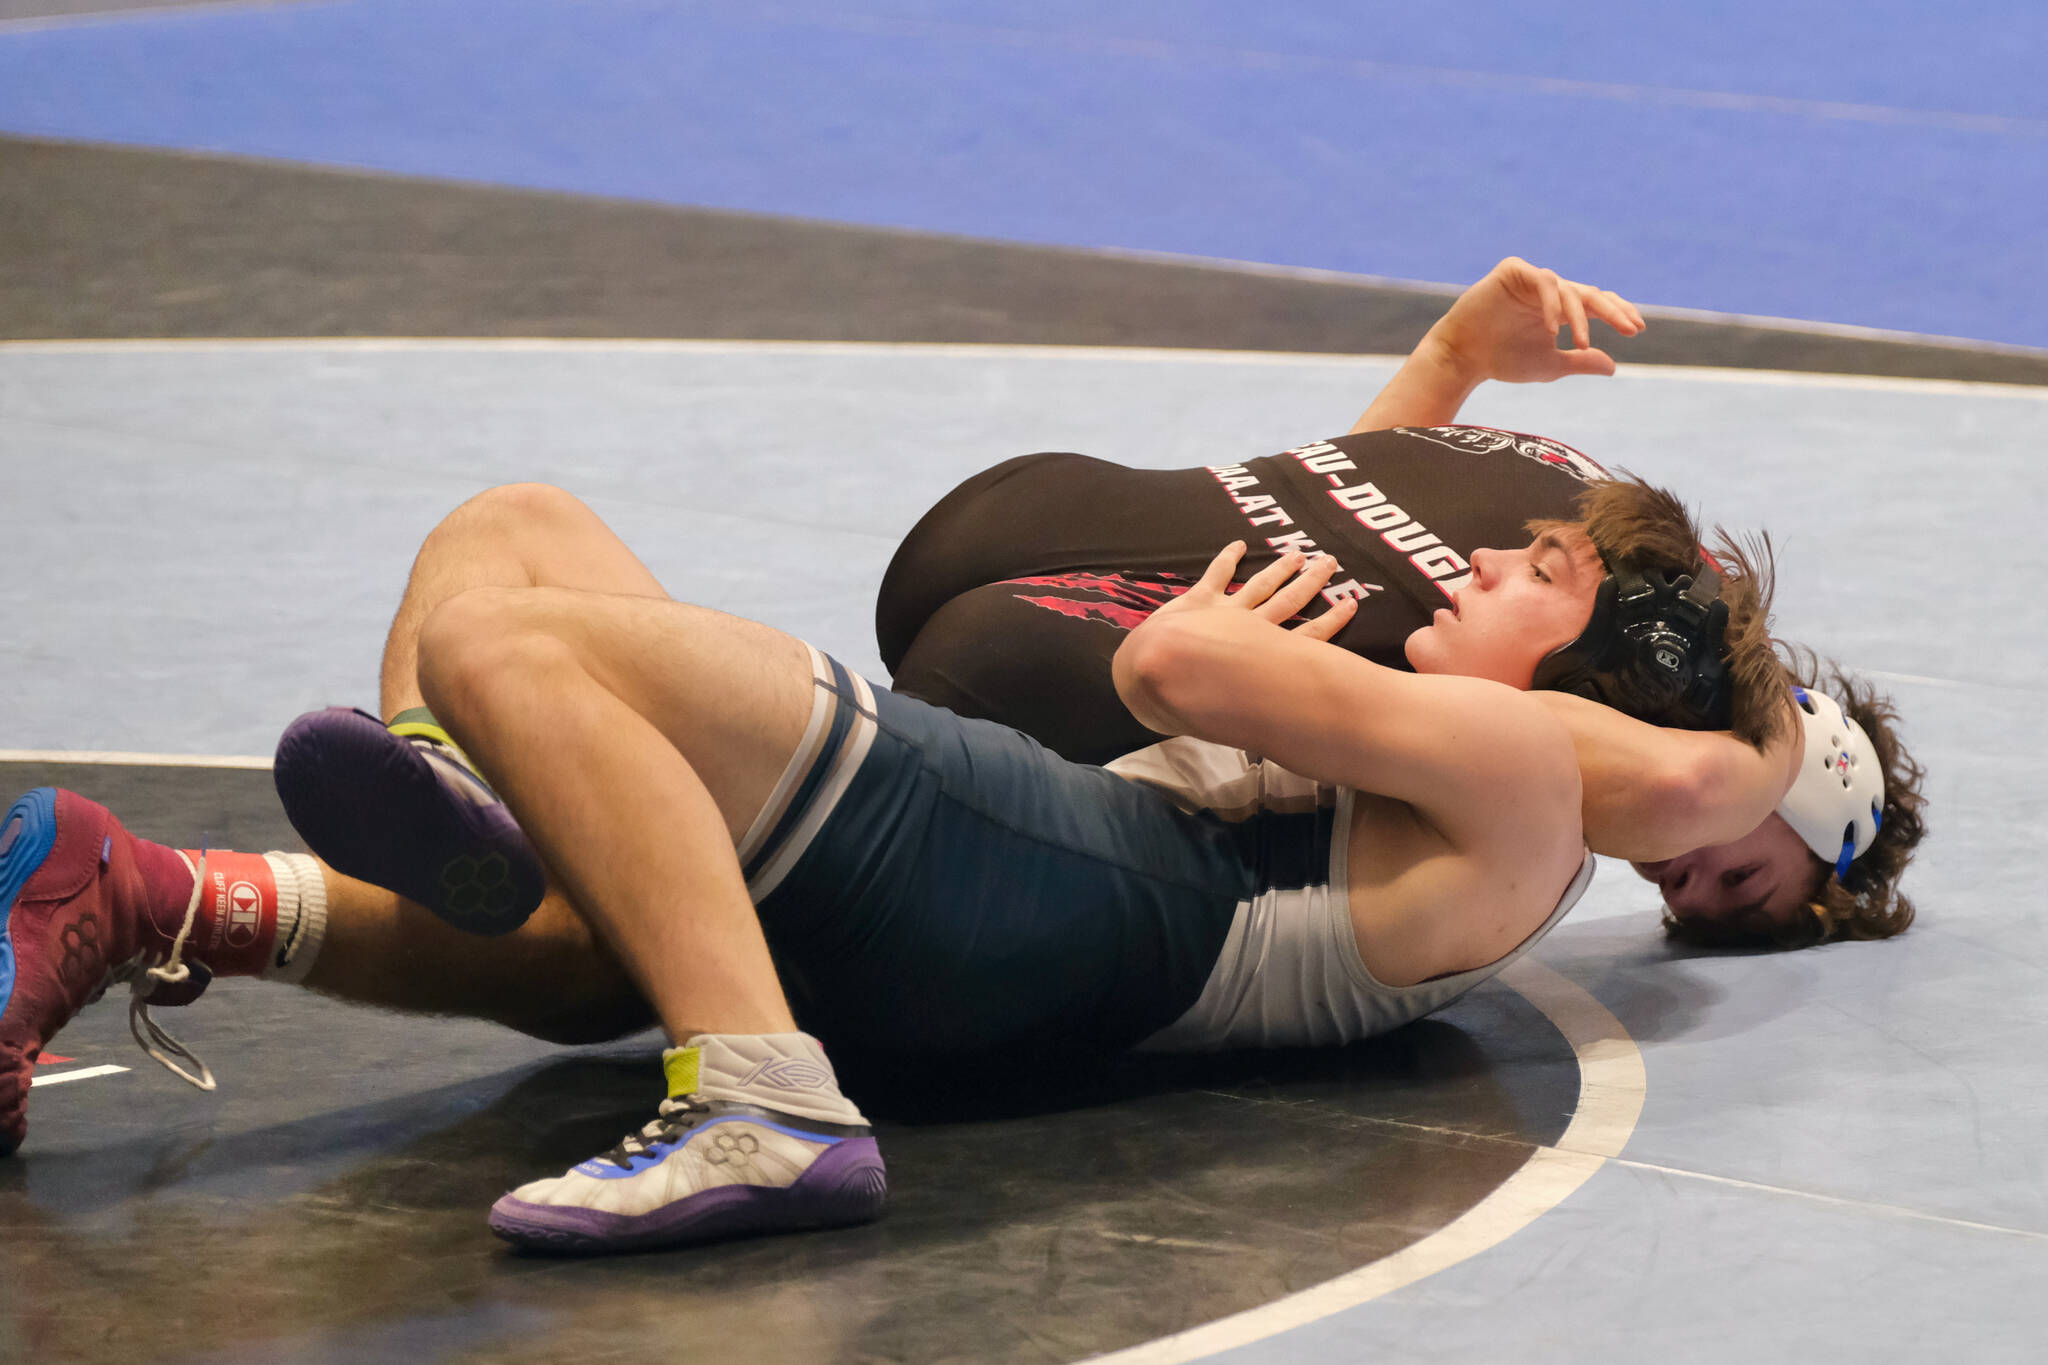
point(401, 807)
point(704, 1169)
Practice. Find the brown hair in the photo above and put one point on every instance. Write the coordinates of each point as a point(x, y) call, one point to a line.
point(1631, 522)
point(1864, 904)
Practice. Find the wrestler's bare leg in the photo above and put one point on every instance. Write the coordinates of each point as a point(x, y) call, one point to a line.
point(522, 535)
point(636, 740)
point(552, 979)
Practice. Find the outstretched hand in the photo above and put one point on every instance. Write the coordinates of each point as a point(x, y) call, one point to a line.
point(1276, 593)
point(1505, 327)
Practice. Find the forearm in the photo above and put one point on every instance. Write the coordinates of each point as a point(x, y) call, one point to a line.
point(1232, 679)
point(1464, 751)
point(1427, 391)
point(1165, 672)
point(1651, 793)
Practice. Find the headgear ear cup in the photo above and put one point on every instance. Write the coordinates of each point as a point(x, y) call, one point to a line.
point(1836, 804)
point(1653, 649)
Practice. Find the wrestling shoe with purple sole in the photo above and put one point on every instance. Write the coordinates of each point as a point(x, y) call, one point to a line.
point(408, 813)
point(81, 902)
point(706, 1168)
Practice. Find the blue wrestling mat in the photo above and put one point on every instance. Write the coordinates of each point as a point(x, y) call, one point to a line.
point(1869, 164)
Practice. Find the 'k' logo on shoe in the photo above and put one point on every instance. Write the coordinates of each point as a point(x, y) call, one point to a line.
point(788, 1073)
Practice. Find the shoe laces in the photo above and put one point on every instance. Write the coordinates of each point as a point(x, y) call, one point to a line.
point(144, 973)
point(676, 1115)
point(456, 772)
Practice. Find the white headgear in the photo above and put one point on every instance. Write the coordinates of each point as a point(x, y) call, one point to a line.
point(1837, 802)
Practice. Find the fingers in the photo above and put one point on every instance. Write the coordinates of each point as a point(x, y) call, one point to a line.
point(1260, 588)
point(1308, 579)
point(1216, 578)
point(1326, 626)
point(1611, 308)
point(1583, 301)
point(1279, 591)
point(1572, 296)
point(1547, 299)
point(1564, 303)
point(1614, 308)
point(1592, 360)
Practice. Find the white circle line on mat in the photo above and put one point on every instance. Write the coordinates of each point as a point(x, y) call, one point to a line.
point(125, 760)
point(1611, 1089)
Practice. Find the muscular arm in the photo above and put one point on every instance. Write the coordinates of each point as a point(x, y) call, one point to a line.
point(1480, 761)
point(1481, 827)
point(1651, 793)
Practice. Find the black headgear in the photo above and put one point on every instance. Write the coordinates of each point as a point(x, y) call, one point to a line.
point(1654, 649)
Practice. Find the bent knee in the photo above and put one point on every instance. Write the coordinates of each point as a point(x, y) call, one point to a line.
point(509, 509)
point(476, 640)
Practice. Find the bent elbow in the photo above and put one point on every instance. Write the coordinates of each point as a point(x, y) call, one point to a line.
point(1669, 813)
point(1148, 670)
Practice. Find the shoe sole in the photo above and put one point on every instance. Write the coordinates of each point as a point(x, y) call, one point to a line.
point(844, 1186)
point(372, 808)
point(27, 834)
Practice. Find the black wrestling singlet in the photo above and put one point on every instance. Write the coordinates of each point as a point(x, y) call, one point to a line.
point(1009, 597)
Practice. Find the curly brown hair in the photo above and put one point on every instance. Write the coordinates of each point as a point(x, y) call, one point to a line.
point(1866, 903)
point(1633, 522)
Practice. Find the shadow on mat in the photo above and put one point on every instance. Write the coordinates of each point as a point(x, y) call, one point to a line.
point(1033, 1216)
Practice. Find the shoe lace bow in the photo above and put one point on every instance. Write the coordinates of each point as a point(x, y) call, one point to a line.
point(676, 1116)
point(144, 972)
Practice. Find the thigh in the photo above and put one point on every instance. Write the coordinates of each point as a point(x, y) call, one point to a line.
point(733, 696)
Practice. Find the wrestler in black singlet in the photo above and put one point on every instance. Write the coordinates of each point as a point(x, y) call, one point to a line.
point(1009, 597)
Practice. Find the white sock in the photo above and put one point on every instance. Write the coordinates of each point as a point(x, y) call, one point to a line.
point(301, 916)
point(785, 1071)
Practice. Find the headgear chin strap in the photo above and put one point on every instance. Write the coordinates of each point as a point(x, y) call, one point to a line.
point(1837, 802)
point(1652, 649)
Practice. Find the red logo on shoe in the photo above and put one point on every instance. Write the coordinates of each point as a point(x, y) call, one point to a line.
point(245, 914)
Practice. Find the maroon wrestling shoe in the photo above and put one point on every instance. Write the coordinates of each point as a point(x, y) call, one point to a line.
point(80, 905)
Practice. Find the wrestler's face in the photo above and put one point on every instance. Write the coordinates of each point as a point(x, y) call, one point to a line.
point(1755, 885)
point(1519, 606)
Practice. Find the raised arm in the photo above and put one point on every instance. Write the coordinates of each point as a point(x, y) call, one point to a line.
point(1651, 793)
point(1504, 327)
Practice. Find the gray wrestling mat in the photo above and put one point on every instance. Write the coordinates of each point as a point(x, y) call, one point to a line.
point(1631, 1151)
